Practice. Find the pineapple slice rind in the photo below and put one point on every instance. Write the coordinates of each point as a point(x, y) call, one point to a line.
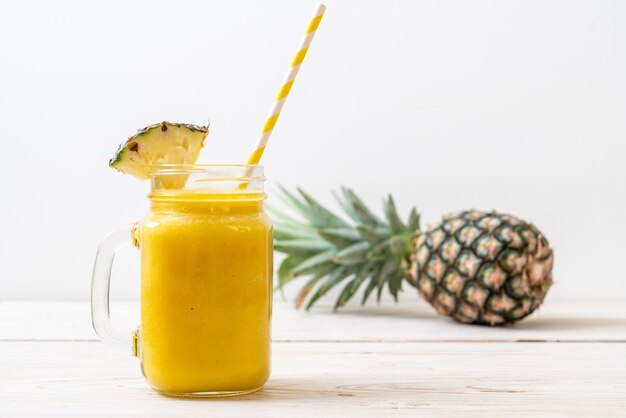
point(161, 143)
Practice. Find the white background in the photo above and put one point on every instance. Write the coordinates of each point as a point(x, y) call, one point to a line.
point(514, 105)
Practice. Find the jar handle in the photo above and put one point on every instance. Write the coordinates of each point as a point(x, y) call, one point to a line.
point(101, 285)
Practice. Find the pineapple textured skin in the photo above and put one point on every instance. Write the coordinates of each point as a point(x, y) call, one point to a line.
point(482, 268)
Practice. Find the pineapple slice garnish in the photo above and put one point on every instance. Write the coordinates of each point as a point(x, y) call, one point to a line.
point(161, 143)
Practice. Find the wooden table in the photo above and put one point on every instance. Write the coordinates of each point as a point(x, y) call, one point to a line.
point(569, 359)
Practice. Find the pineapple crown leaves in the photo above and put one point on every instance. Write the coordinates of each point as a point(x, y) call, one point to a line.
point(333, 251)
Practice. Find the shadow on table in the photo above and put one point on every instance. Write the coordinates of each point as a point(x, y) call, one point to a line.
point(388, 311)
point(282, 389)
point(424, 312)
point(570, 323)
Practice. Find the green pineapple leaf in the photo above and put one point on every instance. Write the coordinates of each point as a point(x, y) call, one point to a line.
point(346, 206)
point(373, 234)
point(414, 220)
point(394, 282)
point(380, 251)
point(395, 223)
point(354, 254)
point(399, 246)
point(350, 289)
point(306, 289)
point(372, 284)
point(385, 272)
point(302, 246)
point(314, 217)
point(313, 264)
point(329, 218)
point(346, 293)
point(340, 237)
point(283, 218)
point(363, 250)
point(285, 271)
point(361, 211)
point(335, 278)
point(287, 232)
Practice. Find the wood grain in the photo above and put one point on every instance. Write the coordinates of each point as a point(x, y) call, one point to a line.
point(564, 361)
point(85, 378)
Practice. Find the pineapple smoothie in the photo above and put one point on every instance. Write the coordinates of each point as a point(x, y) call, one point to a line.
point(206, 284)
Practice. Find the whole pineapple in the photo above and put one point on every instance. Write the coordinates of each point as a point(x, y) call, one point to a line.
point(476, 267)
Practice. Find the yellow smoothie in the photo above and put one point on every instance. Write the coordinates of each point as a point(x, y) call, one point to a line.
point(206, 285)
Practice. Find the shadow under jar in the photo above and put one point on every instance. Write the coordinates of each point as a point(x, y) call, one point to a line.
point(206, 282)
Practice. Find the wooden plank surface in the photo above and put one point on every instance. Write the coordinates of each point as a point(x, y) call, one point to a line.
point(80, 379)
point(392, 360)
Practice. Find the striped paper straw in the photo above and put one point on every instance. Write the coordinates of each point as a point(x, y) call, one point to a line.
point(277, 106)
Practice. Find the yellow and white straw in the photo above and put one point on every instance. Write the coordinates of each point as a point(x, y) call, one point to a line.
point(277, 106)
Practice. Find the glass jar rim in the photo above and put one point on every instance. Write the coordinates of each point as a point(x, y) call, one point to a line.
point(201, 166)
point(186, 179)
point(248, 172)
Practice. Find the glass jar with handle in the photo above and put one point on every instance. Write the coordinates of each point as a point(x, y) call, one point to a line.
point(206, 282)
